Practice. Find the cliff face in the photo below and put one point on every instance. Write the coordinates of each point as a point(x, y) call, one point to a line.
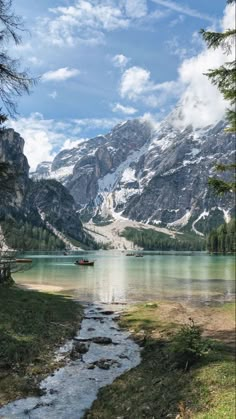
point(157, 176)
point(14, 176)
point(38, 203)
point(54, 204)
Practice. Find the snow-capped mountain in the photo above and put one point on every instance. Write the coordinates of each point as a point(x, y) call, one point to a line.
point(154, 175)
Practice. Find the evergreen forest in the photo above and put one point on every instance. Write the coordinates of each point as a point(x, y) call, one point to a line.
point(149, 239)
point(25, 236)
point(222, 239)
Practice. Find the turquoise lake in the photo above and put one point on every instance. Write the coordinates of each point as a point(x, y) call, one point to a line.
point(118, 278)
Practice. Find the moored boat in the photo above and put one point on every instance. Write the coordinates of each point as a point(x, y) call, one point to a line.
point(23, 260)
point(84, 262)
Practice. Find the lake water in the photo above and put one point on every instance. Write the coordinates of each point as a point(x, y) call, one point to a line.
point(118, 278)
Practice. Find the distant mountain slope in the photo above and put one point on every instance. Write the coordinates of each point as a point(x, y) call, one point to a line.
point(46, 204)
point(156, 176)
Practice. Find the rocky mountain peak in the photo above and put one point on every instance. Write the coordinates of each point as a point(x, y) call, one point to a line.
point(154, 175)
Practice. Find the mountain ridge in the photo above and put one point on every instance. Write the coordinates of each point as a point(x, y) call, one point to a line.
point(154, 175)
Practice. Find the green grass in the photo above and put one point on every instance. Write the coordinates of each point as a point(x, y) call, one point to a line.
point(32, 325)
point(157, 389)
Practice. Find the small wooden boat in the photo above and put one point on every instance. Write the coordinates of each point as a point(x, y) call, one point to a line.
point(139, 255)
point(129, 254)
point(84, 262)
point(23, 260)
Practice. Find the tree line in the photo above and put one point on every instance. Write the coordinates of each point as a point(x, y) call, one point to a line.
point(223, 239)
point(25, 236)
point(149, 239)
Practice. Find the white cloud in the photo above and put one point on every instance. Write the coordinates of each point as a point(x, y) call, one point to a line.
point(177, 48)
point(88, 21)
point(39, 136)
point(61, 74)
point(180, 8)
point(179, 20)
point(35, 61)
point(100, 123)
point(84, 22)
point(134, 82)
point(151, 119)
point(201, 103)
point(68, 144)
point(120, 60)
point(136, 85)
point(136, 8)
point(127, 110)
point(53, 95)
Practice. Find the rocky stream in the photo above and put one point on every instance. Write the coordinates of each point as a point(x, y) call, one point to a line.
point(99, 353)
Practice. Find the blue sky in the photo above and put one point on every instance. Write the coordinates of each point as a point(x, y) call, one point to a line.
point(102, 62)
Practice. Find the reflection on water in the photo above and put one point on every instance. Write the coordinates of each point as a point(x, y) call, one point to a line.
point(116, 277)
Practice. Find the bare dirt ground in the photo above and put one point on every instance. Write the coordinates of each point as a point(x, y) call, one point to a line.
point(111, 233)
point(217, 322)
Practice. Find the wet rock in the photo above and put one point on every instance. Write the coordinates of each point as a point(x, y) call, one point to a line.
point(81, 347)
point(79, 339)
point(91, 329)
point(74, 355)
point(90, 366)
point(107, 312)
point(102, 340)
point(123, 356)
point(105, 364)
point(52, 391)
point(92, 317)
point(42, 404)
point(116, 317)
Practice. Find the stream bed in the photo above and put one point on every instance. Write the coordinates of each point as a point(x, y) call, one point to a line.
point(99, 353)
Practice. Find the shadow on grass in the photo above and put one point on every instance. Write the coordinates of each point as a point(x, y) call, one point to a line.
point(157, 389)
point(32, 325)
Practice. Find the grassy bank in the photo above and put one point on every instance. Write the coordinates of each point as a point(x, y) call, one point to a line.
point(157, 388)
point(32, 325)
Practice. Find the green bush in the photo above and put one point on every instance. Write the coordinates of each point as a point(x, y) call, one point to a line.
point(188, 346)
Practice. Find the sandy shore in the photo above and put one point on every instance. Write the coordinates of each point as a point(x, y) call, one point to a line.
point(41, 287)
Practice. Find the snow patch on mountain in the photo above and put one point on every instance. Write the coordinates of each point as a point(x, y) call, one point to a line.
point(183, 221)
point(203, 215)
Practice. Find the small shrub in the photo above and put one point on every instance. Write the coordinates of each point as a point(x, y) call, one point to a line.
point(151, 305)
point(188, 346)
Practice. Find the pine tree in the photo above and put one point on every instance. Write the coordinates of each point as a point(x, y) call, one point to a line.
point(224, 78)
point(13, 82)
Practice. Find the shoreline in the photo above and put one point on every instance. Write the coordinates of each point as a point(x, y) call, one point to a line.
point(149, 320)
point(40, 287)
